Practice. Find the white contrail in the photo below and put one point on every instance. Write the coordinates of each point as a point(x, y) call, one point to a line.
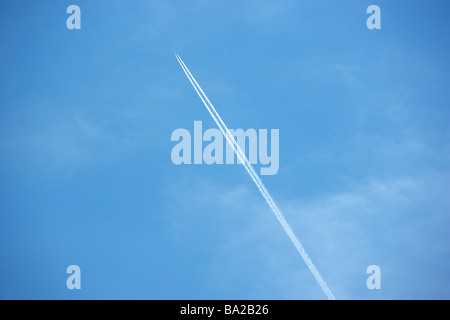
point(256, 179)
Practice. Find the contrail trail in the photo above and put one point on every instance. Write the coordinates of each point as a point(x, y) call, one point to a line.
point(256, 179)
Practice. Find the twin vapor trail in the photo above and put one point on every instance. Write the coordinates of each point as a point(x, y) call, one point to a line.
point(256, 179)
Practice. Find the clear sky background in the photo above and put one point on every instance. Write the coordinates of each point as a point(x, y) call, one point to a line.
point(86, 176)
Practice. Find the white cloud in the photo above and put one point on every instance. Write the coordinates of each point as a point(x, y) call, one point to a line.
point(378, 222)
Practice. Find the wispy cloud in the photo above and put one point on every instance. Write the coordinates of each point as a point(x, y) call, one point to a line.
point(366, 223)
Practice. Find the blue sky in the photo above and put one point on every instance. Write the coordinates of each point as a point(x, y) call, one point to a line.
point(86, 118)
